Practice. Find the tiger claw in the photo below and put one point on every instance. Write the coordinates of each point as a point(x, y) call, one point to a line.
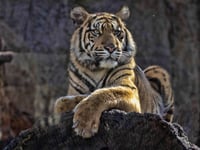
point(75, 124)
point(85, 128)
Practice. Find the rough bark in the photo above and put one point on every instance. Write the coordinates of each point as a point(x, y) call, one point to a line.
point(118, 130)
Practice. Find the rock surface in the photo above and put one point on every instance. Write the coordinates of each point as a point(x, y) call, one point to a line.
point(118, 130)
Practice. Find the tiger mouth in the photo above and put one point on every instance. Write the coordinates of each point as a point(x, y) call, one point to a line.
point(113, 59)
point(109, 58)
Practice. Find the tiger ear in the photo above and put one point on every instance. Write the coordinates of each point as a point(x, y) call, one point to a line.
point(78, 15)
point(124, 13)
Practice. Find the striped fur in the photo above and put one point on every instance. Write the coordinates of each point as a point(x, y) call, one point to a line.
point(160, 81)
point(103, 73)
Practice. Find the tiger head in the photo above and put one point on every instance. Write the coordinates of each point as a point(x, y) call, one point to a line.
point(101, 39)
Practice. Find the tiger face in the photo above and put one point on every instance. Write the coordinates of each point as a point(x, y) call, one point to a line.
point(101, 39)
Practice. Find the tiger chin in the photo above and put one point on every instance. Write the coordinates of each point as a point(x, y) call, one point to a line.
point(103, 73)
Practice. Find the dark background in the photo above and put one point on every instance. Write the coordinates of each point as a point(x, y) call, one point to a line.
point(38, 31)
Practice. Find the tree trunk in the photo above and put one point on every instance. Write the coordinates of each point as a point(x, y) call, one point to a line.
point(118, 130)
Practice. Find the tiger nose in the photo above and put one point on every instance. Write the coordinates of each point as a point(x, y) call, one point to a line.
point(110, 47)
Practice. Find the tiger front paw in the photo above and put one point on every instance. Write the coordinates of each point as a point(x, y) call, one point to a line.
point(65, 104)
point(86, 120)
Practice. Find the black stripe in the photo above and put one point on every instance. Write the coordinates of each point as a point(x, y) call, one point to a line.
point(86, 45)
point(80, 39)
point(83, 73)
point(90, 21)
point(114, 73)
point(78, 84)
point(90, 78)
point(85, 37)
point(80, 76)
point(106, 77)
point(152, 69)
point(118, 22)
point(131, 87)
point(101, 18)
point(157, 82)
point(109, 72)
point(114, 17)
point(121, 76)
point(139, 69)
point(92, 47)
point(75, 87)
point(126, 48)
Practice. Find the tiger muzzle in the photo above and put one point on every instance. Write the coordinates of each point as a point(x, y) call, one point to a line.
point(110, 47)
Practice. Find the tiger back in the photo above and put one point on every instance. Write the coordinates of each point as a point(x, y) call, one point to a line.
point(103, 73)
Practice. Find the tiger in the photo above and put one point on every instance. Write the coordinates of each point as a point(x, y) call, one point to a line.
point(103, 74)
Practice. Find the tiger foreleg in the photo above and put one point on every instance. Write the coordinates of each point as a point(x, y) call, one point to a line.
point(67, 103)
point(88, 112)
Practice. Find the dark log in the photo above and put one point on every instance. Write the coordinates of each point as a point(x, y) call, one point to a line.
point(5, 57)
point(118, 130)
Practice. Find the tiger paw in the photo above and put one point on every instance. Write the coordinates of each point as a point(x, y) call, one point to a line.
point(65, 104)
point(86, 120)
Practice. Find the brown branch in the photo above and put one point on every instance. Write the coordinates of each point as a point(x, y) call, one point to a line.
point(118, 130)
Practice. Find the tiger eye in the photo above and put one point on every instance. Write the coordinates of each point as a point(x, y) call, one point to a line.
point(117, 32)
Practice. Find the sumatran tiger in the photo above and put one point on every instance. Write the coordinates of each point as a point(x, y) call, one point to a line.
point(103, 73)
